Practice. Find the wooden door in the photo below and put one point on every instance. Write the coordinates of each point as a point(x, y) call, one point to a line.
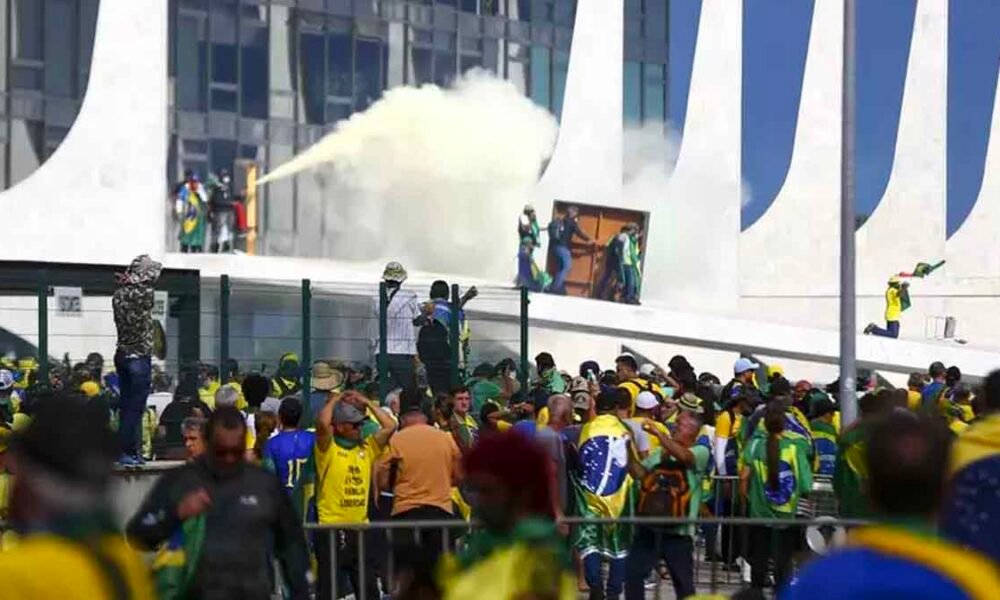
point(601, 224)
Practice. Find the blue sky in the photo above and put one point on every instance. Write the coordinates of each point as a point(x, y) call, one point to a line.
point(775, 44)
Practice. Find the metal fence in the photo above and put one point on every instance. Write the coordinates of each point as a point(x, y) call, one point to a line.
point(64, 312)
point(721, 543)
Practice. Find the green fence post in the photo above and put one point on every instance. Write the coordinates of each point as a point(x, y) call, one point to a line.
point(524, 340)
point(306, 363)
point(382, 360)
point(453, 337)
point(43, 326)
point(224, 292)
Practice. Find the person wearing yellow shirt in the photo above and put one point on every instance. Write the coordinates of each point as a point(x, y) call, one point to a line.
point(646, 405)
point(896, 295)
point(344, 463)
point(71, 548)
point(629, 379)
point(209, 385)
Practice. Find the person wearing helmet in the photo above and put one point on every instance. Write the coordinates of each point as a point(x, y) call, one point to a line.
point(403, 316)
point(897, 299)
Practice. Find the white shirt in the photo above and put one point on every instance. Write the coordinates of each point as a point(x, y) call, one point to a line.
point(402, 334)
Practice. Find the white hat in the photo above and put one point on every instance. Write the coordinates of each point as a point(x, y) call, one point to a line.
point(646, 369)
point(646, 400)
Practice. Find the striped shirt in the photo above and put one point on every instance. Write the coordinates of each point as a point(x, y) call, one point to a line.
point(402, 335)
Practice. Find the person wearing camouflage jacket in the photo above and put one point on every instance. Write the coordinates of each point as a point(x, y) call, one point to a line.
point(133, 305)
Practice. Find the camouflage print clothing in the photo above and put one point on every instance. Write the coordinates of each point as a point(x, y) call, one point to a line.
point(133, 305)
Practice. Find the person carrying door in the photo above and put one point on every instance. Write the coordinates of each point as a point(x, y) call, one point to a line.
point(561, 232)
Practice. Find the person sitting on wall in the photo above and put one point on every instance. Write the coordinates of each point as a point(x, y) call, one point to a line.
point(897, 299)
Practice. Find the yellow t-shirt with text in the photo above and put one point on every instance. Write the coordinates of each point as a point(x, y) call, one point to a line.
point(344, 479)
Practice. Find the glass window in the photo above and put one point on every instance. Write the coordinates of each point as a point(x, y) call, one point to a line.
point(27, 29)
point(520, 10)
point(222, 155)
point(564, 12)
point(560, 66)
point(444, 67)
point(254, 72)
point(517, 66)
point(223, 100)
point(369, 68)
point(540, 70)
point(191, 63)
point(654, 93)
point(340, 64)
point(224, 63)
point(312, 91)
point(26, 146)
point(632, 79)
point(420, 63)
point(60, 55)
point(655, 19)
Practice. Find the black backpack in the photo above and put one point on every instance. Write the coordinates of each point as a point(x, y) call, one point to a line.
point(665, 491)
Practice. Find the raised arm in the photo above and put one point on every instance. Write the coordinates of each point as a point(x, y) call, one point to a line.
point(324, 423)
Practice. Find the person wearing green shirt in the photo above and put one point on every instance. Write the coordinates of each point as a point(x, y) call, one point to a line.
point(549, 375)
point(672, 544)
point(776, 474)
point(851, 469)
point(489, 383)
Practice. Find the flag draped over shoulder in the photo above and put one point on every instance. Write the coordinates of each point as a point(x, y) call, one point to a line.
point(603, 486)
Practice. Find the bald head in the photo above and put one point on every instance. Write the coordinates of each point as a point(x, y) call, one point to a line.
point(560, 410)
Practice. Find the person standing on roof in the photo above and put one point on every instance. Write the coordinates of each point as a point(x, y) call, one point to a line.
point(897, 299)
point(403, 316)
point(561, 232)
point(132, 304)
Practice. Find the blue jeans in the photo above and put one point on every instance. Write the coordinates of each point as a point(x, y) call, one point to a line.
point(565, 261)
point(134, 380)
point(631, 294)
point(891, 330)
point(592, 573)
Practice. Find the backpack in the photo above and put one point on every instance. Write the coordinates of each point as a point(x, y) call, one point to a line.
point(665, 491)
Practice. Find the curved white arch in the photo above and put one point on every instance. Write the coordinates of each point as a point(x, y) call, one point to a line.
point(99, 196)
point(692, 259)
point(908, 224)
point(793, 248)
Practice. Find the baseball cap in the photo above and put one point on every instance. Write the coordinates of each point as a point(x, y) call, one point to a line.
point(579, 384)
point(646, 400)
point(6, 379)
point(344, 412)
point(646, 369)
point(743, 365)
point(822, 406)
point(690, 403)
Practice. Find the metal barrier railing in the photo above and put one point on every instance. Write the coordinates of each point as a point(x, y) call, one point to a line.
point(447, 534)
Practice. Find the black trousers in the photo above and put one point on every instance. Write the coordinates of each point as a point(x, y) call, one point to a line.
point(348, 560)
point(772, 543)
point(649, 546)
point(402, 373)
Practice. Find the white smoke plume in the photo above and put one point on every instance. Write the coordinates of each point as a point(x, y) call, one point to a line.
point(432, 177)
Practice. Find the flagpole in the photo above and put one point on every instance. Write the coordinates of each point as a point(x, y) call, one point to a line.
point(848, 325)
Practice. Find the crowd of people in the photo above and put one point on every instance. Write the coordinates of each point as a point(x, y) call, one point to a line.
point(564, 478)
point(208, 212)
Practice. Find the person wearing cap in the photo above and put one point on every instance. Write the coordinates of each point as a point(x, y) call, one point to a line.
point(132, 305)
point(825, 432)
point(897, 299)
point(678, 458)
point(647, 407)
point(403, 316)
point(630, 380)
point(247, 520)
point(288, 380)
point(324, 380)
point(344, 462)
point(60, 504)
point(550, 381)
